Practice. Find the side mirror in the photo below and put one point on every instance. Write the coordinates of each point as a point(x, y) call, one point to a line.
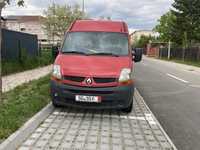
point(55, 51)
point(138, 54)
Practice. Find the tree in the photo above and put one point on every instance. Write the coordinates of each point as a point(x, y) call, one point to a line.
point(19, 2)
point(181, 24)
point(2, 4)
point(143, 41)
point(166, 27)
point(58, 18)
point(108, 18)
point(187, 14)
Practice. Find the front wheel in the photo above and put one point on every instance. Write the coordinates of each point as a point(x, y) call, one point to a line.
point(129, 108)
point(55, 104)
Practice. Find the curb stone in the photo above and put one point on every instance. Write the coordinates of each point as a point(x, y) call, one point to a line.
point(161, 128)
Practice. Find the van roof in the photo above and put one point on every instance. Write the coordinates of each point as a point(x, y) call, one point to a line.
point(98, 26)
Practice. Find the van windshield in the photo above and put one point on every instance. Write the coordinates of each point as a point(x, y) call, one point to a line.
point(96, 43)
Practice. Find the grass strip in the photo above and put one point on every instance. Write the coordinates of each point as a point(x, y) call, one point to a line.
point(21, 104)
point(186, 62)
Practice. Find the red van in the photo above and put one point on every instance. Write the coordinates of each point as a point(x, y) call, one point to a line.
point(94, 67)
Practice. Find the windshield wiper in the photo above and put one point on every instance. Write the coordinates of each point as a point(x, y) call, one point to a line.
point(74, 52)
point(109, 54)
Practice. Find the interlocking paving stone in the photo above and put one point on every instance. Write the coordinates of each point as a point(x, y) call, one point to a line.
point(79, 129)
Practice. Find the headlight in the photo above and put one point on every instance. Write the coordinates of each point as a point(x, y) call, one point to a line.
point(125, 75)
point(57, 71)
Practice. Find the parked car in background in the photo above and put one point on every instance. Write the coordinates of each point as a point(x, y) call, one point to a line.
point(94, 67)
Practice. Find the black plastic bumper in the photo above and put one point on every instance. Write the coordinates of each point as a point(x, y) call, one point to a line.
point(112, 97)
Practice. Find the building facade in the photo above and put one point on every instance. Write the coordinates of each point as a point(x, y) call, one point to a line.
point(137, 34)
point(27, 24)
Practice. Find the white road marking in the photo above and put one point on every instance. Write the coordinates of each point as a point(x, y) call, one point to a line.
point(132, 118)
point(195, 86)
point(144, 64)
point(177, 78)
point(148, 117)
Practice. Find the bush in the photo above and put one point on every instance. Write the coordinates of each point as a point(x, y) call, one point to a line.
point(14, 66)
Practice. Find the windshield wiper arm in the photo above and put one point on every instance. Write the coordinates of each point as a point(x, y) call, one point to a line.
point(109, 54)
point(74, 52)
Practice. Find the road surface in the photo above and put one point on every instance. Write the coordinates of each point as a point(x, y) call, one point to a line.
point(172, 91)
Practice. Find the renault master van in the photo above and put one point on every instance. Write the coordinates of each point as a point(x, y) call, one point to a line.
point(94, 67)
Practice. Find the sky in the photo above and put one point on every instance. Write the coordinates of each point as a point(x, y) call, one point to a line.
point(139, 14)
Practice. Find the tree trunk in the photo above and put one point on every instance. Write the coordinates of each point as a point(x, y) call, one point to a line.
point(2, 4)
point(183, 54)
point(0, 60)
point(185, 45)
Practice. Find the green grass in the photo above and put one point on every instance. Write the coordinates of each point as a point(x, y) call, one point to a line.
point(187, 62)
point(9, 67)
point(21, 104)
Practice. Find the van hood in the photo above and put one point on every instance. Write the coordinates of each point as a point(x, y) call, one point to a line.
point(92, 66)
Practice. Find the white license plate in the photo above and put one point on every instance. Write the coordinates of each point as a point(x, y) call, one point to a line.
point(89, 99)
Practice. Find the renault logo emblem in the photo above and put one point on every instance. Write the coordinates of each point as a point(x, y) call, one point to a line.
point(89, 81)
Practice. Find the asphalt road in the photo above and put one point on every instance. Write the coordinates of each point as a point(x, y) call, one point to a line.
point(172, 92)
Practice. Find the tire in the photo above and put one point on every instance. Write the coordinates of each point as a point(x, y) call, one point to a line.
point(55, 104)
point(129, 108)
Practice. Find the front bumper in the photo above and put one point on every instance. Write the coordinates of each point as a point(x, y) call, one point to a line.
point(112, 97)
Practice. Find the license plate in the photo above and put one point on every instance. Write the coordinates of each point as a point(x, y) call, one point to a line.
point(89, 99)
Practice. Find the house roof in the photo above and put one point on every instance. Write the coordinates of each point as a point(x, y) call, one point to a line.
point(24, 18)
point(139, 31)
point(2, 18)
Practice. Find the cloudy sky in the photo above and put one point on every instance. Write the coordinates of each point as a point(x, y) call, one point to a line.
point(139, 14)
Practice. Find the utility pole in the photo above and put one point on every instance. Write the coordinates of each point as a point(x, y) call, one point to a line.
point(54, 13)
point(83, 6)
point(169, 50)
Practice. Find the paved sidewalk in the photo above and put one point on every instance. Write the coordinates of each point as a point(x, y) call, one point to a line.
point(73, 129)
point(14, 80)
